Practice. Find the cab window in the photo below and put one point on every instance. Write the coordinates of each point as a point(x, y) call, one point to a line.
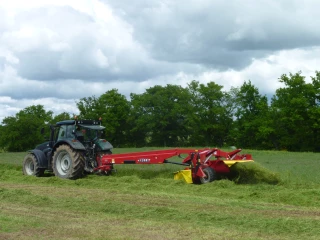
point(62, 132)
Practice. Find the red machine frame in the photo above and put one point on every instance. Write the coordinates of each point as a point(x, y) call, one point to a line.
point(195, 160)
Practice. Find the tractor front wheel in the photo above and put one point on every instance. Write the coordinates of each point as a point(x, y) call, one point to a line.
point(30, 166)
point(210, 175)
point(67, 163)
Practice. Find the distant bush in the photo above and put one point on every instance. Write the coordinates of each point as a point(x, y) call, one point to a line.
point(3, 149)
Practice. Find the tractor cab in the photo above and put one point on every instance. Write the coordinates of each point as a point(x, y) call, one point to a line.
point(88, 133)
point(83, 131)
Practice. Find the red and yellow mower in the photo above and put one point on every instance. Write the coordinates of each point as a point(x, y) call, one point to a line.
point(202, 166)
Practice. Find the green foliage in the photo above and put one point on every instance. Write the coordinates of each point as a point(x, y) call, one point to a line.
point(295, 108)
point(88, 108)
point(2, 150)
point(61, 117)
point(196, 115)
point(161, 115)
point(22, 132)
point(252, 118)
point(210, 115)
point(113, 108)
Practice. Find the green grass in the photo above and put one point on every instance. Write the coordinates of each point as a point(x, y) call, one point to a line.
point(253, 172)
point(144, 202)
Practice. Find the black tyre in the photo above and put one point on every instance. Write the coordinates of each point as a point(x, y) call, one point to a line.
point(67, 163)
point(210, 175)
point(30, 166)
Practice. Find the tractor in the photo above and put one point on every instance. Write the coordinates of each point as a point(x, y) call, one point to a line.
point(77, 147)
point(71, 150)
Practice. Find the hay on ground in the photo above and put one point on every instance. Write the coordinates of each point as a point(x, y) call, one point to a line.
point(253, 172)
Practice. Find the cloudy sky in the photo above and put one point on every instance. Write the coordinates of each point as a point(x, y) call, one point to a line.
point(53, 52)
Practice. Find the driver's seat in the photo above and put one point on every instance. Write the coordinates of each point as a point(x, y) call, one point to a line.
point(80, 136)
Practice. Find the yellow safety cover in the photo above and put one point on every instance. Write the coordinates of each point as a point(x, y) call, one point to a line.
point(183, 174)
point(231, 162)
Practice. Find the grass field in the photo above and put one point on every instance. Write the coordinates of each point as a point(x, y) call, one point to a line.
point(144, 202)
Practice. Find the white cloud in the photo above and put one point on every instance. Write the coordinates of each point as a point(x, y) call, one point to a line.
point(6, 99)
point(53, 52)
point(264, 73)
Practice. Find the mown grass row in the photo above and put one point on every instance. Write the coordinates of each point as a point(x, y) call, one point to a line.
point(143, 202)
point(303, 194)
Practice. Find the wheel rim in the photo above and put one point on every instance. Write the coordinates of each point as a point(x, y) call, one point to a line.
point(29, 167)
point(63, 163)
point(205, 179)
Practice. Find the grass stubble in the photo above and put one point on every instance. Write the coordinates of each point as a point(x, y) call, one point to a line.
point(146, 203)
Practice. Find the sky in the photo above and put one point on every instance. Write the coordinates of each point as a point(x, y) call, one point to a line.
point(55, 52)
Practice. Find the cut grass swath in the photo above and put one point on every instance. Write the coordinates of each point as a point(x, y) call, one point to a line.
point(253, 172)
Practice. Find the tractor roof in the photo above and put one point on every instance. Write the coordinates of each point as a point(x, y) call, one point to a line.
point(93, 127)
point(66, 122)
point(92, 124)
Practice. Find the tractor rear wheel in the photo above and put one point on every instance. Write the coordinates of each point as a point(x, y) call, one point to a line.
point(210, 175)
point(30, 166)
point(67, 163)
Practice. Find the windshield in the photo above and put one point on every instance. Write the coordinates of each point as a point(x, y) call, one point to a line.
point(88, 134)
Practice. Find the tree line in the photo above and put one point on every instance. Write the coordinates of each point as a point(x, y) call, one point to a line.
point(196, 115)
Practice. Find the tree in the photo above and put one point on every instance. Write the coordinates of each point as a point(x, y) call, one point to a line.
point(22, 132)
point(296, 110)
point(314, 112)
point(161, 115)
point(88, 108)
point(113, 108)
point(211, 115)
point(61, 117)
point(140, 120)
point(252, 125)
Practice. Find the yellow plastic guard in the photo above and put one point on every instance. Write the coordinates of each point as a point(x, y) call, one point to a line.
point(183, 174)
point(231, 162)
